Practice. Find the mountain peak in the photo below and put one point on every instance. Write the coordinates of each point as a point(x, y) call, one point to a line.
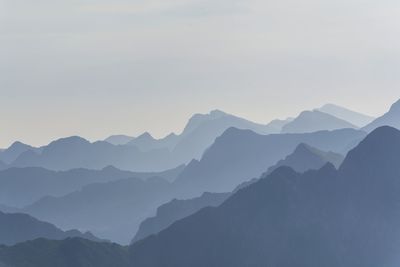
point(145, 135)
point(390, 118)
point(378, 153)
point(70, 140)
point(217, 113)
point(315, 120)
point(18, 144)
point(395, 107)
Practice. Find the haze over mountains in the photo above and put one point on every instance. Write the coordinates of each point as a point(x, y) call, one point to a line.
point(355, 118)
point(320, 218)
point(240, 155)
point(16, 228)
point(312, 121)
point(324, 217)
point(145, 153)
point(110, 210)
point(284, 193)
point(391, 118)
point(305, 158)
point(20, 187)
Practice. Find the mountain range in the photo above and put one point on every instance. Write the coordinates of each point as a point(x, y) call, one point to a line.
point(20, 187)
point(346, 217)
point(327, 217)
point(111, 210)
point(146, 154)
point(304, 158)
point(390, 118)
point(313, 121)
point(17, 227)
point(175, 210)
point(240, 155)
point(355, 118)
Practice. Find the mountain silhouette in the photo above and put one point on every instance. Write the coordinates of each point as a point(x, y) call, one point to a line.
point(111, 210)
point(76, 152)
point(17, 227)
point(391, 118)
point(202, 130)
point(312, 121)
point(20, 187)
point(347, 217)
point(199, 133)
point(355, 118)
point(306, 158)
point(17, 148)
point(327, 217)
point(175, 210)
point(146, 142)
point(240, 155)
point(76, 252)
point(119, 139)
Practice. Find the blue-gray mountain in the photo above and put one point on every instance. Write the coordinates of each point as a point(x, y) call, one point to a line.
point(306, 158)
point(17, 227)
point(23, 186)
point(236, 156)
point(240, 155)
point(328, 218)
point(145, 153)
point(12, 153)
point(76, 152)
point(110, 210)
point(347, 217)
point(302, 159)
point(353, 117)
point(175, 210)
point(312, 121)
point(390, 118)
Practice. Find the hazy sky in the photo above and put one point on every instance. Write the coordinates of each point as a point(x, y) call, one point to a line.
point(98, 67)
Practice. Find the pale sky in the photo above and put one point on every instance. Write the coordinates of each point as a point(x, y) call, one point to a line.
point(99, 67)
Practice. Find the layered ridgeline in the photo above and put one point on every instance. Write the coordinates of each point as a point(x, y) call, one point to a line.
point(17, 227)
point(145, 153)
point(110, 210)
point(70, 252)
point(240, 155)
point(306, 157)
point(302, 159)
point(312, 121)
point(175, 210)
point(20, 187)
point(347, 217)
point(390, 118)
point(355, 118)
point(10, 154)
point(114, 210)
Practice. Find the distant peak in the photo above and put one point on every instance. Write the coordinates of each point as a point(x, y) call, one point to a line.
point(395, 107)
point(383, 132)
point(330, 105)
point(145, 135)
point(303, 147)
point(217, 113)
point(70, 140)
point(18, 144)
point(110, 168)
